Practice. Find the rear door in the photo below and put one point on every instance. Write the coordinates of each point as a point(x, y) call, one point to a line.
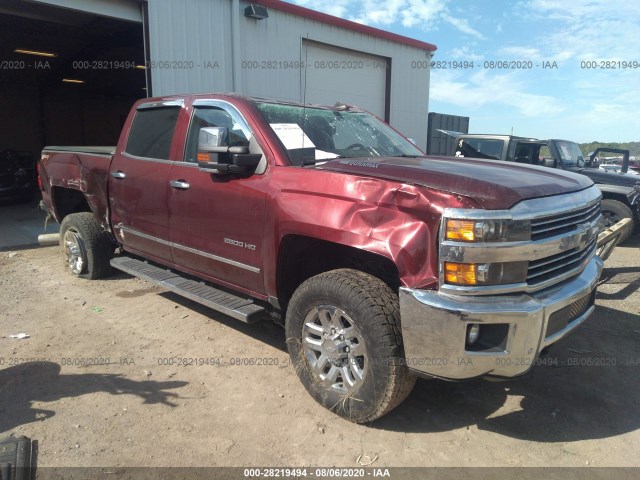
point(217, 223)
point(139, 181)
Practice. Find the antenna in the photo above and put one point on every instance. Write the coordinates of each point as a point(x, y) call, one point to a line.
point(306, 60)
point(304, 91)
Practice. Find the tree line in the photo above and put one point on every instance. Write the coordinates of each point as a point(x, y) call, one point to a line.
point(633, 147)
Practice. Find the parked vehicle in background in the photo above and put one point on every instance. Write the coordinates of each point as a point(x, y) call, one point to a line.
point(17, 176)
point(382, 264)
point(620, 191)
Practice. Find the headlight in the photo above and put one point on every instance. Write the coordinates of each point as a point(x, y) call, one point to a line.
point(479, 274)
point(487, 230)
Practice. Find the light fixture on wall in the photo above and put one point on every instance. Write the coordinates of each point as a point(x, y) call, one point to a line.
point(35, 52)
point(256, 11)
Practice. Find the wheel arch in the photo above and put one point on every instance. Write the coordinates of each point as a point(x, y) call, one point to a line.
point(301, 257)
point(67, 200)
point(615, 192)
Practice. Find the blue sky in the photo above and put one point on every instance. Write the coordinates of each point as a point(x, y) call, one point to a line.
point(569, 101)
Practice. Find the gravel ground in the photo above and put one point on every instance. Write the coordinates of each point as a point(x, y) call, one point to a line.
point(129, 375)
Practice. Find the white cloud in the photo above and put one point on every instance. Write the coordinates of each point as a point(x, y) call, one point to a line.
point(585, 29)
point(482, 89)
point(528, 53)
point(409, 13)
point(422, 12)
point(376, 13)
point(462, 24)
point(465, 53)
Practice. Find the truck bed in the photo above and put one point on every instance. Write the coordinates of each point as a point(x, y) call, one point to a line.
point(81, 169)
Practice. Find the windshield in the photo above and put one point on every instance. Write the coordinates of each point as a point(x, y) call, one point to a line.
point(311, 135)
point(570, 154)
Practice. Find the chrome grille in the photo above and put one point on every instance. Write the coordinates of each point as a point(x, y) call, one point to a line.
point(552, 225)
point(547, 268)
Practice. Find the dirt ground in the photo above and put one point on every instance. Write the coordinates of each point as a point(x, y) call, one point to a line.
point(130, 375)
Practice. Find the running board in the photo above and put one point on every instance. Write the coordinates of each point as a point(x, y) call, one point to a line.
point(240, 308)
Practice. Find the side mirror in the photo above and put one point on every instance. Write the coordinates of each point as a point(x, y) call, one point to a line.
point(216, 156)
point(213, 139)
point(549, 162)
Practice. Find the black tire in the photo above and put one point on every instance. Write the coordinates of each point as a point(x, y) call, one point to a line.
point(370, 305)
point(94, 247)
point(613, 211)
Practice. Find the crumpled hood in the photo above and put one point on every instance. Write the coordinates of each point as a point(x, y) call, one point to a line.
point(493, 184)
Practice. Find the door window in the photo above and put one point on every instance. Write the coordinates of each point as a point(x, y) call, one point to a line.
point(238, 133)
point(152, 132)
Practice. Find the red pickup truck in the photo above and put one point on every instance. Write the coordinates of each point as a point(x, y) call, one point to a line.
point(382, 264)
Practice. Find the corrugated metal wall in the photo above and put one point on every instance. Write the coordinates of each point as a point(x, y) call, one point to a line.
point(190, 46)
point(192, 51)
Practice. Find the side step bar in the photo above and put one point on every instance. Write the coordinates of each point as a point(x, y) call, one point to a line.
point(240, 308)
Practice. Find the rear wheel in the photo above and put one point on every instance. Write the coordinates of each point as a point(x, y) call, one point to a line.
point(85, 246)
point(344, 339)
point(613, 211)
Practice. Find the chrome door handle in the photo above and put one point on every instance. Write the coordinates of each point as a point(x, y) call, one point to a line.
point(118, 174)
point(179, 184)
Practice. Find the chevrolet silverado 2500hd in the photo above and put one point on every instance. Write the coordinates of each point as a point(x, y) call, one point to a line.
point(383, 264)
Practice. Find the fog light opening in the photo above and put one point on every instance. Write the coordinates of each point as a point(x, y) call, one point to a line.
point(473, 333)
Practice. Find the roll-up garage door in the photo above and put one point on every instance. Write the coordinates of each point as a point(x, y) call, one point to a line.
point(337, 74)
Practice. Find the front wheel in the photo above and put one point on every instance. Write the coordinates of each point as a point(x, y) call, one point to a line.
point(85, 246)
point(344, 339)
point(613, 211)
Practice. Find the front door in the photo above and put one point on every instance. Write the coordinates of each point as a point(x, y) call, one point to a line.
point(217, 222)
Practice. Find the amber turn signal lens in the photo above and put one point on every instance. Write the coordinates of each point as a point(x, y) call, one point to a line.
point(203, 157)
point(463, 230)
point(460, 273)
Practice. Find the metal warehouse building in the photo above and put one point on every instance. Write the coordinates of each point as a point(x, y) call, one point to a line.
point(72, 68)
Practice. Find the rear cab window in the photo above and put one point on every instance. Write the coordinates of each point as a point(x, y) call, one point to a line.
point(151, 133)
point(480, 148)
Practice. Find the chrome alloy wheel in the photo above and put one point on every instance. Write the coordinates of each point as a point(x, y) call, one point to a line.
point(74, 251)
point(334, 348)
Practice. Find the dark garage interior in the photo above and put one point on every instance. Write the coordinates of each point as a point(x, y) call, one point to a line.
point(81, 92)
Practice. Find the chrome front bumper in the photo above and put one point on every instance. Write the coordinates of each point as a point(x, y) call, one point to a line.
point(434, 327)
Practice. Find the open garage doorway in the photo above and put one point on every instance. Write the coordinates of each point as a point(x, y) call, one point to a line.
point(68, 77)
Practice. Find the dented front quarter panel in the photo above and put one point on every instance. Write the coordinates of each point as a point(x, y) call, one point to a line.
point(396, 220)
